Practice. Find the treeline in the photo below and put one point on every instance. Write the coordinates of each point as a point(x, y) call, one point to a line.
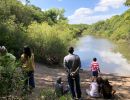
point(47, 32)
point(116, 28)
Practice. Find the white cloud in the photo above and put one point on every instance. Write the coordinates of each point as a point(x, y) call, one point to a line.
point(87, 19)
point(104, 5)
point(101, 8)
point(83, 12)
point(87, 15)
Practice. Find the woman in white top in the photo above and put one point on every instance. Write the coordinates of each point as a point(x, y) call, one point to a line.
point(93, 92)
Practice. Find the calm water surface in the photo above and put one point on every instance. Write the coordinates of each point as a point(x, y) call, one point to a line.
point(111, 60)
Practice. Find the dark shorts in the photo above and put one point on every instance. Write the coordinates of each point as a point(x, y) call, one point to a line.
point(95, 73)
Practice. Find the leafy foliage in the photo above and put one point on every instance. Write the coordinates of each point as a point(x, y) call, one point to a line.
point(10, 76)
point(116, 28)
point(49, 42)
point(46, 31)
point(49, 94)
point(127, 3)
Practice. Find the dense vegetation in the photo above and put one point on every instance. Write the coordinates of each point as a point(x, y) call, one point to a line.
point(47, 32)
point(127, 3)
point(116, 28)
point(11, 78)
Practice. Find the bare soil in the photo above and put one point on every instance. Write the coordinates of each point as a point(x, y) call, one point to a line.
point(45, 77)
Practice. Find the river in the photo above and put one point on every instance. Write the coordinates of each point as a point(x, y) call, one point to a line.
point(110, 59)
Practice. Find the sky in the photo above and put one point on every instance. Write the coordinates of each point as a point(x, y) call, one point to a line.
point(84, 11)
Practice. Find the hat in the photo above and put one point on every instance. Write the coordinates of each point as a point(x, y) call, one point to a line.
point(0, 48)
point(3, 48)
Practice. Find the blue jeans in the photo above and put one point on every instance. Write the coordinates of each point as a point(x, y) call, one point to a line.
point(71, 81)
point(29, 80)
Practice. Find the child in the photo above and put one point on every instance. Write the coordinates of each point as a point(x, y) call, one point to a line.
point(93, 92)
point(107, 90)
point(95, 68)
point(100, 84)
point(60, 88)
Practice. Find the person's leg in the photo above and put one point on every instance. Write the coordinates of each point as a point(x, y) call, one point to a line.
point(25, 87)
point(31, 80)
point(77, 82)
point(95, 74)
point(25, 84)
point(71, 84)
point(66, 89)
point(113, 92)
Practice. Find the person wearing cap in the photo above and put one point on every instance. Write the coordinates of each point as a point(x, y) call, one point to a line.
point(72, 65)
point(0, 50)
point(3, 50)
point(7, 61)
point(4, 54)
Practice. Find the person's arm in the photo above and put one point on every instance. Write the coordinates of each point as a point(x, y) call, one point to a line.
point(65, 65)
point(23, 58)
point(91, 65)
point(33, 61)
point(98, 68)
point(77, 69)
point(79, 63)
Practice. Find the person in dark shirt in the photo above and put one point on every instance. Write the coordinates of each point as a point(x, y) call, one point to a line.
point(72, 65)
point(60, 87)
point(107, 89)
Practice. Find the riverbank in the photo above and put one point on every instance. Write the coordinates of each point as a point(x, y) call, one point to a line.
point(45, 78)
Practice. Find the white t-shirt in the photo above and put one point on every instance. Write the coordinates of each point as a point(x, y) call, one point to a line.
point(94, 89)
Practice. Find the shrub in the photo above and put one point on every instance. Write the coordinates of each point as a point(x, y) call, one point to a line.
point(49, 94)
point(10, 76)
point(49, 42)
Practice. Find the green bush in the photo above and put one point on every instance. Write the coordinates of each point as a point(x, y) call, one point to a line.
point(49, 42)
point(49, 94)
point(10, 76)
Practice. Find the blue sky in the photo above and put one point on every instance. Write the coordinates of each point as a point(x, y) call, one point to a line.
point(84, 11)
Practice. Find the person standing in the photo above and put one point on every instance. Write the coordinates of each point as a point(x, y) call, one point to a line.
point(28, 66)
point(72, 65)
point(95, 68)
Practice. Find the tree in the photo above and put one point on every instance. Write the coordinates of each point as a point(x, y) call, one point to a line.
point(127, 3)
point(52, 16)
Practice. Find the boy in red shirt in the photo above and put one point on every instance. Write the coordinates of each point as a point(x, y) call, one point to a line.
point(95, 67)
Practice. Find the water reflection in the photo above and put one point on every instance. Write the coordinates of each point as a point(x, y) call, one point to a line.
point(110, 61)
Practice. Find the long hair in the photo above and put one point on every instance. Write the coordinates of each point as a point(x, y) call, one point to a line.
point(27, 51)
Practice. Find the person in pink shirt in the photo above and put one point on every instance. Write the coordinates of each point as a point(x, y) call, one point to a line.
point(95, 68)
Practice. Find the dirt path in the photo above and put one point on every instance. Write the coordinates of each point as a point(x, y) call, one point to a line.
point(45, 78)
